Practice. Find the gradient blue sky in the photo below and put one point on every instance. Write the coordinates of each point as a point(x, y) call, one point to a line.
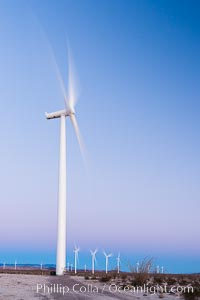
point(139, 69)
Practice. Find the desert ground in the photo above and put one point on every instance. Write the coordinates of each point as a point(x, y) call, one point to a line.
point(28, 287)
point(20, 286)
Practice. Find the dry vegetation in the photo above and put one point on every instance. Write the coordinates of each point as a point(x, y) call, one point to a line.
point(145, 275)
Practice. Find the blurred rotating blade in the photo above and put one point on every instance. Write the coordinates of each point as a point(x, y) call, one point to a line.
point(60, 80)
point(72, 82)
point(78, 135)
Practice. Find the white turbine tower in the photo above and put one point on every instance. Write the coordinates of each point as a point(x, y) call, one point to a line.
point(68, 111)
point(15, 265)
point(41, 265)
point(118, 263)
point(107, 256)
point(93, 253)
point(76, 251)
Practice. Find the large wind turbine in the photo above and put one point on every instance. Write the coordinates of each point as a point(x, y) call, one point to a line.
point(68, 111)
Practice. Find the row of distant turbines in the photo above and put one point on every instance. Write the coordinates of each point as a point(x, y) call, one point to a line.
point(158, 269)
point(107, 256)
point(94, 261)
point(15, 265)
point(76, 259)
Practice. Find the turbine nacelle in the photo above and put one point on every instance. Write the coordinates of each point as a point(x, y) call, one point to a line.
point(59, 113)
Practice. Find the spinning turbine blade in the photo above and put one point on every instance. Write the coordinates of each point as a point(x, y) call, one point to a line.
point(78, 135)
point(72, 83)
point(60, 80)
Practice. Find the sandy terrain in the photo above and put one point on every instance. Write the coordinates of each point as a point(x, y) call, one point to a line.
point(28, 287)
point(21, 287)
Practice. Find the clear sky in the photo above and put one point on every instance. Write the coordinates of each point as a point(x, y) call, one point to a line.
point(139, 68)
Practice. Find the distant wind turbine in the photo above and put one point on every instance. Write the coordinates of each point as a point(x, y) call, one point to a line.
point(118, 263)
point(137, 266)
point(68, 111)
point(157, 269)
point(15, 264)
point(41, 266)
point(93, 253)
point(107, 256)
point(76, 251)
point(162, 270)
point(71, 267)
point(85, 268)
